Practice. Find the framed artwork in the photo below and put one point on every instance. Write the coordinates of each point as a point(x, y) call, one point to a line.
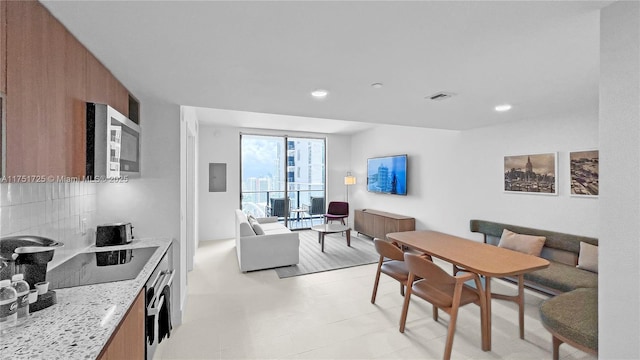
point(531, 174)
point(584, 173)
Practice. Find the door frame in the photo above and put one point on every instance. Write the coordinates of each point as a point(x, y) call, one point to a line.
point(188, 186)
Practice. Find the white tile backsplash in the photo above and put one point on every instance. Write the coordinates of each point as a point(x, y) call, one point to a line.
point(53, 210)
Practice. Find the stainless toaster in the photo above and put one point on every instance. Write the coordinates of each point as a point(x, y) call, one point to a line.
point(114, 234)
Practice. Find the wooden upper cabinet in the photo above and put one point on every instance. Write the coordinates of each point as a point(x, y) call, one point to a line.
point(35, 83)
point(75, 106)
point(50, 77)
point(3, 46)
point(104, 88)
point(3, 75)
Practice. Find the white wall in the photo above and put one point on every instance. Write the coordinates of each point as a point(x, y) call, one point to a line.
point(218, 144)
point(152, 202)
point(458, 176)
point(429, 168)
point(482, 154)
point(619, 295)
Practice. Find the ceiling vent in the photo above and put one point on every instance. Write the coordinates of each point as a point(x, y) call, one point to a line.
point(441, 96)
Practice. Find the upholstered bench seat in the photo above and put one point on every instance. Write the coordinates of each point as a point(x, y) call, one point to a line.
point(562, 251)
point(572, 315)
point(572, 318)
point(563, 278)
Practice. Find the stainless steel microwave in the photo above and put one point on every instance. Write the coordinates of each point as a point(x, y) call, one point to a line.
point(113, 144)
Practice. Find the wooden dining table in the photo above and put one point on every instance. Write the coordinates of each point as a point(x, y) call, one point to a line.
point(483, 259)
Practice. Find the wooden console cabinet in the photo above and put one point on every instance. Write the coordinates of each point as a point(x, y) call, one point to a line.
point(377, 224)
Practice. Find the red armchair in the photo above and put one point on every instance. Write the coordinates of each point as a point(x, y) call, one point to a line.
point(337, 210)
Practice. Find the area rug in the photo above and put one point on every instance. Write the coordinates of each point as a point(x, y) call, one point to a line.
point(336, 254)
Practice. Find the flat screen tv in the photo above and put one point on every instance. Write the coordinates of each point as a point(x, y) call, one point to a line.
point(387, 175)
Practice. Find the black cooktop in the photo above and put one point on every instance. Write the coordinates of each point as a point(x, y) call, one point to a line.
point(99, 267)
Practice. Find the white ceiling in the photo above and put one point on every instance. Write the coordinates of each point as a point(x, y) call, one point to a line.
point(540, 56)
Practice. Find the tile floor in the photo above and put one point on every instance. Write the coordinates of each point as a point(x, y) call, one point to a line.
point(231, 315)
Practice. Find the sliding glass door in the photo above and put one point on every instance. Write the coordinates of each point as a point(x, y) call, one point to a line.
point(306, 180)
point(283, 177)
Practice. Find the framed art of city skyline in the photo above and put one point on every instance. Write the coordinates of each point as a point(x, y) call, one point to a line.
point(584, 173)
point(531, 174)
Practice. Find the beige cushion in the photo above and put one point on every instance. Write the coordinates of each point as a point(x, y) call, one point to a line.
point(527, 244)
point(588, 259)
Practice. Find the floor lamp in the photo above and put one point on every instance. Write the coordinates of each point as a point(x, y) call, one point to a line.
point(348, 181)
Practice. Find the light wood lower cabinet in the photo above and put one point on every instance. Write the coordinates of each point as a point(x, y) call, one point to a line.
point(128, 341)
point(378, 224)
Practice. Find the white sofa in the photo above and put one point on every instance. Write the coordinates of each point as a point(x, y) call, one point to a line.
point(278, 246)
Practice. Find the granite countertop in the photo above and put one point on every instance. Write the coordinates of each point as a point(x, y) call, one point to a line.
point(84, 318)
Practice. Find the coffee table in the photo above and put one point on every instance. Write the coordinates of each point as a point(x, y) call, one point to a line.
point(330, 229)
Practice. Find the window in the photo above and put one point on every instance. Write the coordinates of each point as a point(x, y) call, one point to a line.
point(276, 167)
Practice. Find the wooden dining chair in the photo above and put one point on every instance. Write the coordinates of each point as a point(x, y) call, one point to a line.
point(394, 267)
point(444, 292)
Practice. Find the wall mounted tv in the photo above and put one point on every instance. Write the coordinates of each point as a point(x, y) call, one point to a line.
point(387, 175)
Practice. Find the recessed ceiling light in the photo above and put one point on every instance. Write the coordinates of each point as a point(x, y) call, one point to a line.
point(376, 85)
point(319, 93)
point(503, 107)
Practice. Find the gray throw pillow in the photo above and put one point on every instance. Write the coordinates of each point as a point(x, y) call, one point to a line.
point(257, 228)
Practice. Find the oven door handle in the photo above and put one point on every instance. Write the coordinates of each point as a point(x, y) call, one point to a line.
point(160, 281)
point(155, 281)
point(171, 274)
point(154, 310)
